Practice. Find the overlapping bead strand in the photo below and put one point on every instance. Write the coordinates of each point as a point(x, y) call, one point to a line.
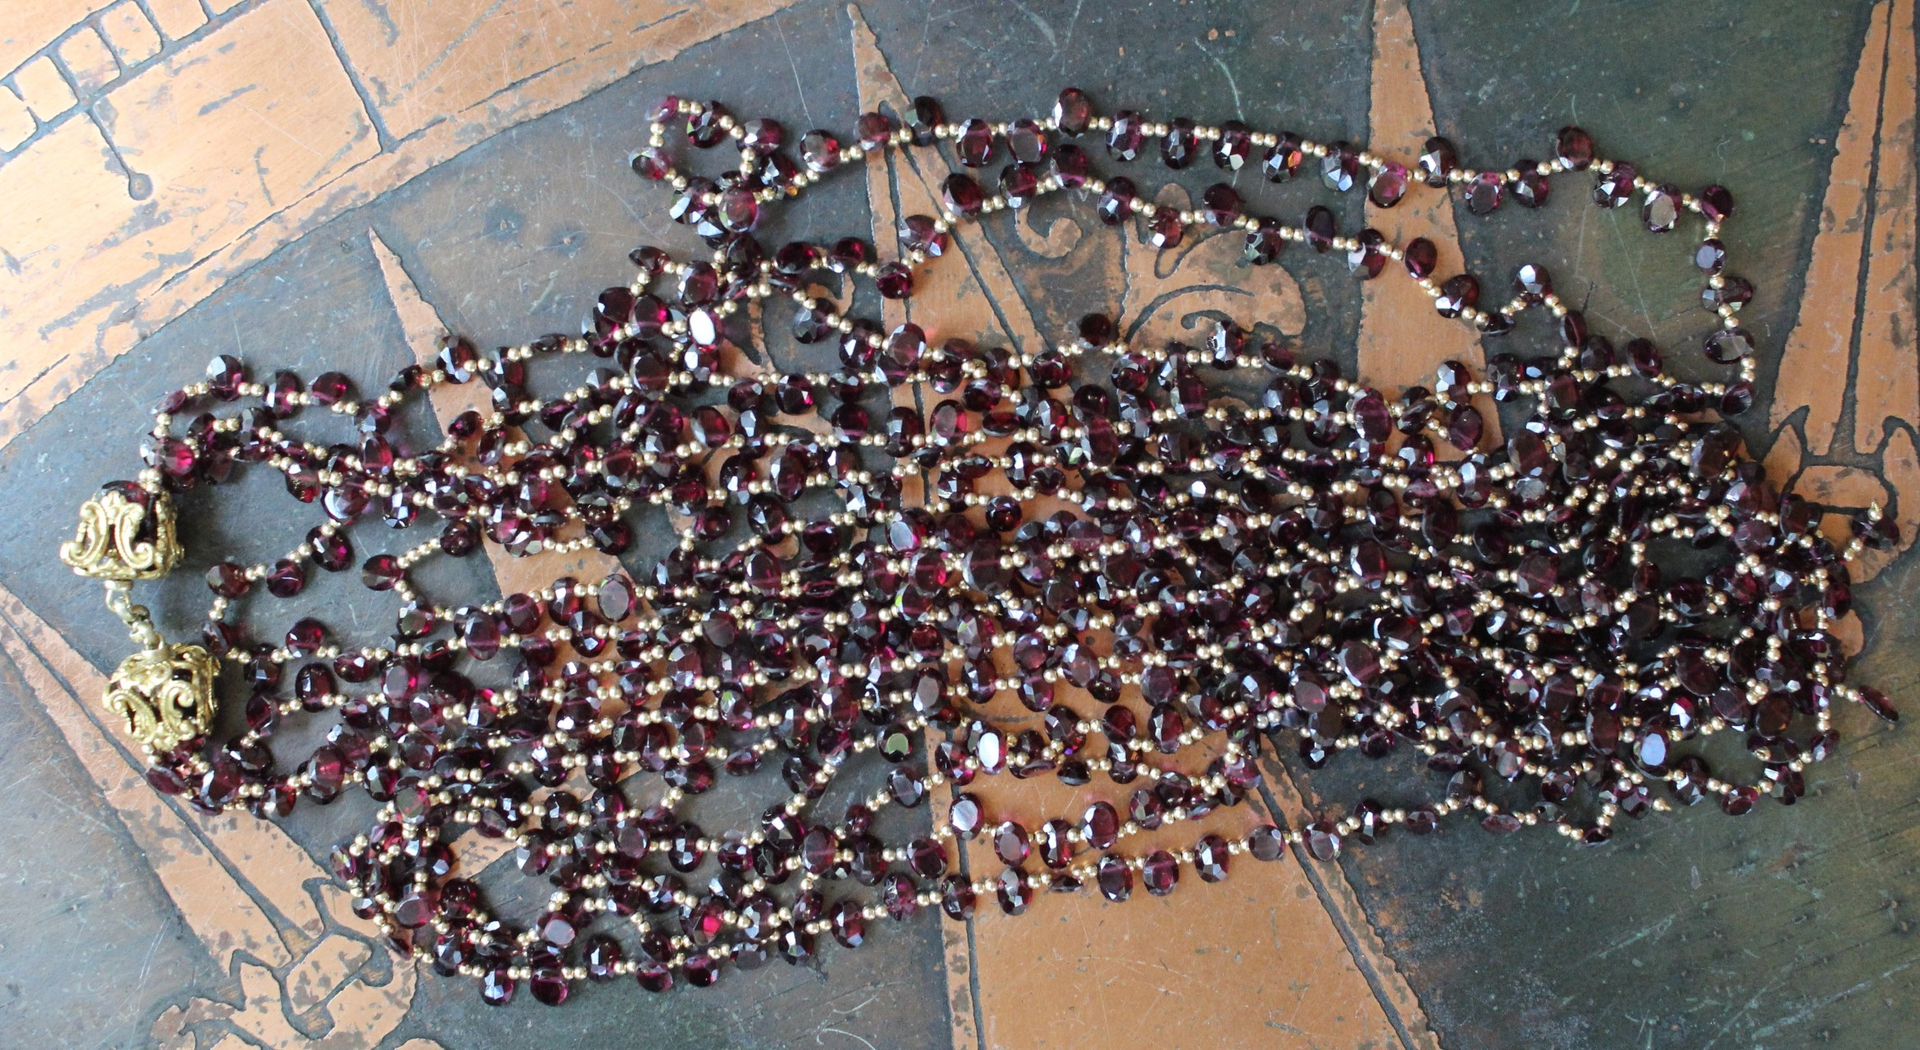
point(1554, 625)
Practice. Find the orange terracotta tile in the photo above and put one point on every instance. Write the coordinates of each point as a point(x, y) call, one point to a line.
point(88, 60)
point(69, 330)
point(177, 18)
point(46, 93)
point(1888, 378)
point(199, 884)
point(16, 121)
point(30, 25)
point(464, 56)
point(1400, 345)
point(129, 34)
point(287, 121)
point(1822, 337)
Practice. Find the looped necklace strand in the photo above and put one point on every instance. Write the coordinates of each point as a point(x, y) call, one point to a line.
point(1167, 578)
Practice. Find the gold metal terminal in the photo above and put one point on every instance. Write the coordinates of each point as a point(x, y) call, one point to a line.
point(123, 538)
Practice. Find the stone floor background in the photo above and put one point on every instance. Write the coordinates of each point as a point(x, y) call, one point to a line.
point(307, 181)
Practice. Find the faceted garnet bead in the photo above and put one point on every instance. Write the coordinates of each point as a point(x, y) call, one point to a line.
point(1437, 160)
point(1072, 111)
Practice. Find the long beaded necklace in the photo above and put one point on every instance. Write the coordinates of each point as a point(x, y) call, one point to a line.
point(1158, 572)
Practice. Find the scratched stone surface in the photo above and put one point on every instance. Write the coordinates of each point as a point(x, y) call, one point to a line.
point(315, 185)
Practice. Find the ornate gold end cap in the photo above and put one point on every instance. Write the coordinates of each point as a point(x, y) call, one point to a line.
point(165, 694)
point(125, 533)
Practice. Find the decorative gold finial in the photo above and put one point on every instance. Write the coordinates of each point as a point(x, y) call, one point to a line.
point(125, 533)
point(165, 692)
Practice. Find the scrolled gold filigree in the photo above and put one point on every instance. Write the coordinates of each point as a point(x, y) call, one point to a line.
point(165, 694)
point(113, 543)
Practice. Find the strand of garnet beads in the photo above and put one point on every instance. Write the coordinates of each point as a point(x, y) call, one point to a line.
point(1164, 576)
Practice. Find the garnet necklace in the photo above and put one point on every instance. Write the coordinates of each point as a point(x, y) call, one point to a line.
point(1169, 578)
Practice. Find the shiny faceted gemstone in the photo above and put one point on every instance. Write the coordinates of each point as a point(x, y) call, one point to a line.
point(1014, 891)
point(1388, 184)
point(923, 233)
point(1615, 187)
point(1421, 257)
point(1501, 823)
point(975, 144)
point(1283, 159)
point(1159, 872)
point(1117, 201)
point(926, 116)
point(225, 375)
point(1056, 845)
point(810, 325)
point(1210, 858)
point(1532, 282)
point(962, 195)
point(1027, 141)
point(706, 127)
point(381, 572)
point(497, 987)
point(286, 578)
point(873, 130)
point(1114, 877)
point(763, 135)
point(1320, 227)
point(284, 393)
point(1220, 204)
point(1267, 843)
point(737, 209)
point(1164, 230)
point(1323, 840)
point(1661, 209)
point(306, 636)
point(1574, 148)
point(1234, 146)
point(1369, 255)
point(849, 254)
point(1437, 160)
point(699, 285)
point(819, 151)
point(228, 580)
point(1739, 801)
point(965, 816)
point(894, 280)
point(175, 458)
point(651, 163)
point(1876, 701)
point(1096, 331)
point(1531, 189)
point(1180, 145)
point(1019, 183)
point(1716, 203)
point(1485, 193)
point(1728, 345)
point(1100, 825)
point(1072, 166)
point(1072, 111)
point(1126, 137)
point(848, 925)
point(1732, 291)
point(1263, 243)
point(1011, 843)
point(1458, 293)
point(1340, 168)
point(1644, 356)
